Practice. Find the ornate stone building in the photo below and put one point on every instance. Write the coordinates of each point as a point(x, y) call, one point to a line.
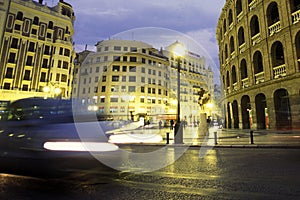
point(259, 47)
point(36, 53)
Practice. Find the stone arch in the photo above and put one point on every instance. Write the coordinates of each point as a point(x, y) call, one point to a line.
point(282, 109)
point(261, 106)
point(245, 107)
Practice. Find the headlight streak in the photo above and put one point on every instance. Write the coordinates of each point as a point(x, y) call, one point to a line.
point(80, 146)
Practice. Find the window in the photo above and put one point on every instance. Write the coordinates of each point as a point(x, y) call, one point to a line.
point(125, 58)
point(103, 78)
point(132, 68)
point(133, 59)
point(65, 65)
point(123, 78)
point(14, 43)
point(47, 50)
point(36, 21)
point(143, 60)
point(98, 59)
point(61, 51)
point(103, 89)
point(57, 77)
point(104, 68)
point(117, 48)
point(96, 79)
point(6, 86)
point(133, 49)
point(116, 68)
point(29, 61)
point(132, 79)
point(114, 99)
point(97, 69)
point(153, 91)
point(117, 58)
point(25, 88)
point(115, 78)
point(102, 99)
point(149, 90)
point(142, 100)
point(9, 72)
point(59, 64)
point(12, 58)
point(45, 63)
point(43, 77)
point(143, 70)
point(131, 88)
point(124, 68)
point(105, 48)
point(143, 79)
point(19, 16)
point(27, 75)
point(64, 78)
point(50, 25)
point(67, 52)
point(17, 27)
point(142, 89)
point(31, 47)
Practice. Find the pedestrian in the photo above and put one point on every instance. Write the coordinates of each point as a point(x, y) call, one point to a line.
point(160, 124)
point(171, 124)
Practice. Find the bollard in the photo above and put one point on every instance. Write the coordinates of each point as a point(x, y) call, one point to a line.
point(216, 138)
point(168, 137)
point(251, 137)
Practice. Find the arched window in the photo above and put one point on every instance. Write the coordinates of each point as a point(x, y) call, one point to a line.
point(254, 26)
point(36, 20)
point(231, 44)
point(258, 62)
point(295, 5)
point(234, 78)
point(244, 73)
point(230, 18)
point(227, 80)
point(272, 13)
point(239, 7)
point(277, 54)
point(224, 26)
point(241, 36)
point(19, 16)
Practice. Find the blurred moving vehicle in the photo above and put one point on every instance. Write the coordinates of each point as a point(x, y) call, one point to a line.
point(40, 137)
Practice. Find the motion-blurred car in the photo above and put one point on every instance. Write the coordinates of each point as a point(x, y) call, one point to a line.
point(40, 137)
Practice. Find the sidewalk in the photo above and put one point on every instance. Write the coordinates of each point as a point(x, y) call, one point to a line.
point(229, 138)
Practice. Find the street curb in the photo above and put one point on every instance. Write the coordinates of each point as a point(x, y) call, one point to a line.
point(248, 146)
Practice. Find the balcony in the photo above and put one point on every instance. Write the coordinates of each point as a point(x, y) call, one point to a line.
point(252, 5)
point(245, 82)
point(232, 55)
point(235, 86)
point(256, 39)
point(279, 71)
point(296, 16)
point(242, 47)
point(240, 16)
point(274, 28)
point(259, 77)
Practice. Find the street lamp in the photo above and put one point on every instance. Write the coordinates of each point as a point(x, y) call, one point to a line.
point(179, 52)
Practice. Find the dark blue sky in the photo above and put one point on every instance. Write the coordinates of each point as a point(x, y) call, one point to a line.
point(102, 19)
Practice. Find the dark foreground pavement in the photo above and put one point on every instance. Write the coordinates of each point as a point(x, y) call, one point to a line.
point(224, 173)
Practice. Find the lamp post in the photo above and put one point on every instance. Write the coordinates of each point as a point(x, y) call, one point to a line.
point(179, 52)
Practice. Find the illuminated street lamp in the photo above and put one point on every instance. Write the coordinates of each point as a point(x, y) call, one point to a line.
point(179, 52)
point(53, 93)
